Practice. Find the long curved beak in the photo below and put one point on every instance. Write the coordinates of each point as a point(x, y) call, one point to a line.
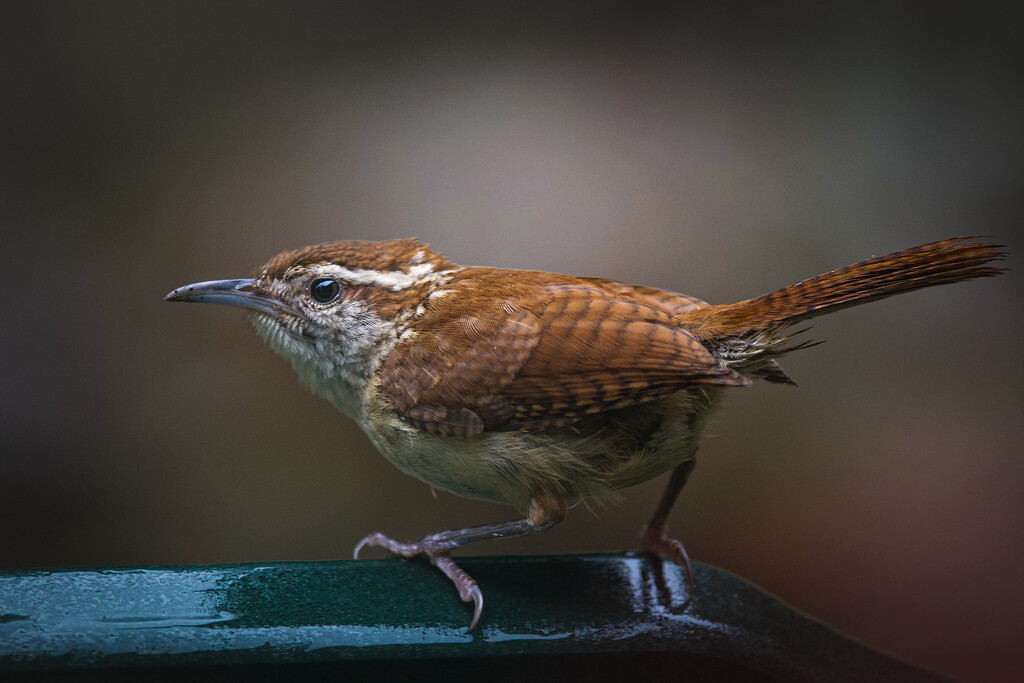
point(240, 293)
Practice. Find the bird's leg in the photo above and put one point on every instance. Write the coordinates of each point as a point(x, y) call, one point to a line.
point(545, 511)
point(654, 538)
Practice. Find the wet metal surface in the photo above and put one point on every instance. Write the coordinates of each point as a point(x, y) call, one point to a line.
point(398, 609)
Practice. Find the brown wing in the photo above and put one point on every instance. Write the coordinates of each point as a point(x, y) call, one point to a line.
point(673, 303)
point(540, 352)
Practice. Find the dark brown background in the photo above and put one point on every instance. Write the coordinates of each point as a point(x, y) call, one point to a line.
point(720, 150)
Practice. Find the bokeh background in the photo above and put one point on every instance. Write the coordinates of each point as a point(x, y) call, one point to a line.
point(716, 149)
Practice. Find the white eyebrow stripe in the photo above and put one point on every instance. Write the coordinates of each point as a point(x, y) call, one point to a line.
point(393, 280)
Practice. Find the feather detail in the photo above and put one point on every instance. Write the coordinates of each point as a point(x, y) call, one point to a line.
point(749, 332)
point(541, 350)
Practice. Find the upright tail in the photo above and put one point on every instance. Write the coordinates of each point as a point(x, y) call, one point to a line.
point(751, 332)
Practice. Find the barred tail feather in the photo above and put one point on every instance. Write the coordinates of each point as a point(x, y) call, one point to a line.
point(756, 324)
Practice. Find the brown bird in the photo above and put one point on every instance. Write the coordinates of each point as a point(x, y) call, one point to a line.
point(535, 389)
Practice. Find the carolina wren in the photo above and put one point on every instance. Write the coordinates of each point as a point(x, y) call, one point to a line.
point(535, 389)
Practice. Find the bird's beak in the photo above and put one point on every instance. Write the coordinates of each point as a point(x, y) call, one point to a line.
point(241, 293)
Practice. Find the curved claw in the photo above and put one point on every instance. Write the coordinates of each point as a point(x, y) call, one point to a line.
point(359, 546)
point(654, 541)
point(679, 556)
point(478, 606)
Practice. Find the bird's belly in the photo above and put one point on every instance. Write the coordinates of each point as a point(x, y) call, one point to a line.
point(592, 458)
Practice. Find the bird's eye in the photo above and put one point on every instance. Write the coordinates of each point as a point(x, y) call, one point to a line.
point(324, 289)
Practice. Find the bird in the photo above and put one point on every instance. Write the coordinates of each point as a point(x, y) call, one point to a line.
point(532, 389)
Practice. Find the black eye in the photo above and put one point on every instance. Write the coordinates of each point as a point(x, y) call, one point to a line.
point(324, 289)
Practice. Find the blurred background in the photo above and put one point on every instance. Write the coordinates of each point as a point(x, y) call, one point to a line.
point(717, 149)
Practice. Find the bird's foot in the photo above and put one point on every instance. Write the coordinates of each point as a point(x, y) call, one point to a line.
point(653, 539)
point(545, 511)
point(438, 550)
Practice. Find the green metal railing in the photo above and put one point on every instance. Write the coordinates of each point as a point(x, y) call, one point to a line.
point(592, 617)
